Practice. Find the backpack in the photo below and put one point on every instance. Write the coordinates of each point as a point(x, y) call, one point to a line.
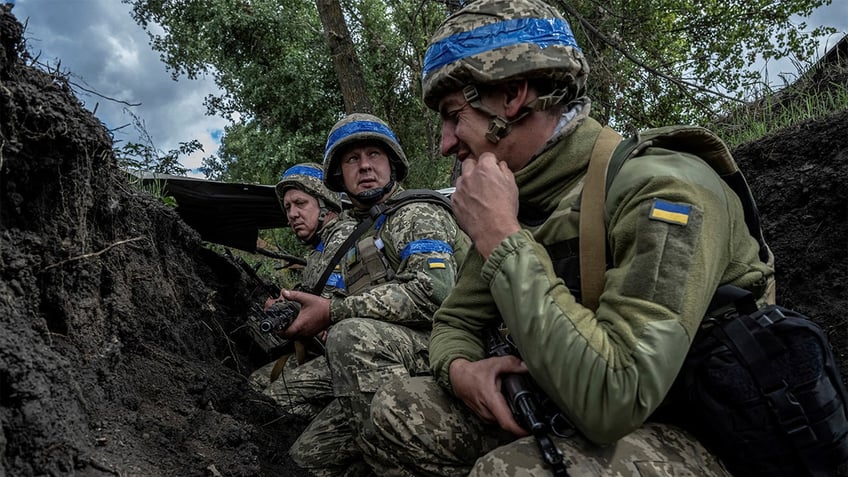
point(759, 387)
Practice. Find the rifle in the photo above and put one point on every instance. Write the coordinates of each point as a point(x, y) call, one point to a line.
point(261, 283)
point(261, 323)
point(524, 402)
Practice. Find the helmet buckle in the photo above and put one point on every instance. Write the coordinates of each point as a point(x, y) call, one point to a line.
point(470, 93)
point(498, 128)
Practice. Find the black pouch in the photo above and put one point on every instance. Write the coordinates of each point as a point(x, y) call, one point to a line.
point(761, 389)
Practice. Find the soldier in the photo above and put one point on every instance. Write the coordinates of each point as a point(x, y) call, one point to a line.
point(312, 212)
point(508, 80)
point(397, 275)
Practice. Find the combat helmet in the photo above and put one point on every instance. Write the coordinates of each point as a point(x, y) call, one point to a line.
point(495, 41)
point(309, 177)
point(362, 127)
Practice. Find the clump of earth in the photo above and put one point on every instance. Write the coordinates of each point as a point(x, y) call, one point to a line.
point(123, 348)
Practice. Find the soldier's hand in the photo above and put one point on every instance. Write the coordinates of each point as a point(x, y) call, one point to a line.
point(314, 316)
point(269, 302)
point(478, 385)
point(485, 202)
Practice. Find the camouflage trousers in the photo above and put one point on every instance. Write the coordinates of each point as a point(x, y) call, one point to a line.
point(419, 429)
point(301, 390)
point(363, 354)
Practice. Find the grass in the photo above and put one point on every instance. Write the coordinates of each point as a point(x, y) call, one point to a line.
point(798, 102)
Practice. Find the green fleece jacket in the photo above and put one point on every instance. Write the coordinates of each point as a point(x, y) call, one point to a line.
point(608, 370)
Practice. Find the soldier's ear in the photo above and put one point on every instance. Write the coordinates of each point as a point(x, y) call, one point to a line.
point(515, 97)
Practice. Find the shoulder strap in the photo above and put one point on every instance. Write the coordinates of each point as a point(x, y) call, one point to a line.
point(416, 195)
point(343, 248)
point(386, 208)
point(605, 164)
point(592, 230)
point(708, 146)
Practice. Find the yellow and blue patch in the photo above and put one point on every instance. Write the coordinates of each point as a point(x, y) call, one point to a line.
point(436, 263)
point(669, 212)
point(351, 257)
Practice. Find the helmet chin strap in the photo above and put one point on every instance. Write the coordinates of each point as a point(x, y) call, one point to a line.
point(322, 217)
point(499, 126)
point(371, 196)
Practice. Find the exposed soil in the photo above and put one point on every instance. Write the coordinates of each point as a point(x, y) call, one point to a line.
point(122, 346)
point(122, 350)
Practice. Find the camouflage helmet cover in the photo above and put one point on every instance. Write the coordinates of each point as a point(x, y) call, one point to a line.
point(308, 177)
point(355, 128)
point(493, 41)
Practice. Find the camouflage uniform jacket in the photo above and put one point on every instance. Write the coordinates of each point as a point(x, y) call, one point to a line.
point(423, 245)
point(333, 234)
point(609, 370)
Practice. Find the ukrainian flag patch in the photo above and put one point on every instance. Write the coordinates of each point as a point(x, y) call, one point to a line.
point(436, 263)
point(669, 212)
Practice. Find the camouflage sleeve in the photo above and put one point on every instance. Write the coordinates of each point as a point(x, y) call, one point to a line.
point(422, 242)
point(333, 235)
point(674, 231)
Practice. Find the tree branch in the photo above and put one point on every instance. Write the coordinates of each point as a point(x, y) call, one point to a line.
point(683, 85)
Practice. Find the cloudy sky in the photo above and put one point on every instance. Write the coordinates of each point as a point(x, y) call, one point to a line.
point(105, 51)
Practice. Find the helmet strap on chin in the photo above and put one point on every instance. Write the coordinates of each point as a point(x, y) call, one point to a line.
point(371, 196)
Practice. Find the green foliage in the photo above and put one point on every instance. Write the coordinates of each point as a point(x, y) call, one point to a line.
point(284, 240)
point(653, 62)
point(142, 158)
point(657, 62)
point(392, 40)
point(272, 63)
point(818, 93)
point(156, 188)
point(146, 157)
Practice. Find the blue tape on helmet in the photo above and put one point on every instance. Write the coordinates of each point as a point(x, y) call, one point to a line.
point(543, 32)
point(304, 171)
point(357, 127)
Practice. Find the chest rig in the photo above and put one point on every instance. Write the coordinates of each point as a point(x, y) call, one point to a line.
point(366, 263)
point(364, 260)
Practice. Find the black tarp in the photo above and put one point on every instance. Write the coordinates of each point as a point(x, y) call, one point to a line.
point(225, 213)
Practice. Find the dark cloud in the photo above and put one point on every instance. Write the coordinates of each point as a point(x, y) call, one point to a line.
point(104, 50)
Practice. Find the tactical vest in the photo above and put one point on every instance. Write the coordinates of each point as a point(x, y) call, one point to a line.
point(366, 263)
point(365, 260)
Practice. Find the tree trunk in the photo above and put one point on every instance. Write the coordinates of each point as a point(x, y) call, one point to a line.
point(345, 61)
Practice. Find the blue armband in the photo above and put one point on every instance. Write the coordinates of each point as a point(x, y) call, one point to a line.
point(425, 246)
point(336, 280)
